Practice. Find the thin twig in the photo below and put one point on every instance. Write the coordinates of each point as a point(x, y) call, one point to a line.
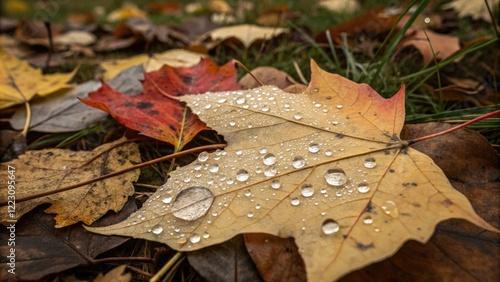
point(248, 71)
point(51, 45)
point(485, 116)
point(492, 18)
point(140, 271)
point(166, 267)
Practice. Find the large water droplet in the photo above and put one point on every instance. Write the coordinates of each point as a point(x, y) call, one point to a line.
point(195, 238)
point(367, 220)
point(157, 229)
point(270, 171)
point(330, 226)
point(363, 187)
point(203, 157)
point(306, 190)
point(241, 100)
point(275, 184)
point(294, 201)
point(298, 162)
point(314, 147)
point(167, 200)
point(335, 177)
point(370, 162)
point(390, 208)
point(269, 159)
point(214, 168)
point(242, 175)
point(192, 203)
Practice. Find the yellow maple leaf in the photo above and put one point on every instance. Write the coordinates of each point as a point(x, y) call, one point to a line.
point(19, 82)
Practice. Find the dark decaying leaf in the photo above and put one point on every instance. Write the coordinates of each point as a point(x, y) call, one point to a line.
point(13, 145)
point(228, 261)
point(277, 259)
point(42, 249)
point(115, 275)
point(158, 116)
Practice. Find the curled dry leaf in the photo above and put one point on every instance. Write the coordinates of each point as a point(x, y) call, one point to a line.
point(19, 82)
point(325, 166)
point(47, 170)
point(268, 76)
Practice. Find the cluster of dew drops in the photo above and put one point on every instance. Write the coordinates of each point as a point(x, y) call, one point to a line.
point(193, 207)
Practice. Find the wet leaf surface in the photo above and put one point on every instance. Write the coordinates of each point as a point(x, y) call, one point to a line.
point(325, 166)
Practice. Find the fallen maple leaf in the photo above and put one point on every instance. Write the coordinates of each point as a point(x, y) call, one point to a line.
point(326, 167)
point(46, 170)
point(159, 116)
point(19, 82)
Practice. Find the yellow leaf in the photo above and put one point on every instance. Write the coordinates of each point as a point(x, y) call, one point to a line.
point(175, 58)
point(46, 170)
point(128, 10)
point(245, 33)
point(325, 166)
point(19, 82)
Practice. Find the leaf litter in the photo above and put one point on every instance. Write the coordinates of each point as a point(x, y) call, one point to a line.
point(331, 172)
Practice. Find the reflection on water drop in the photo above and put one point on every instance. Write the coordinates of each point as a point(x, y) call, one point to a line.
point(306, 190)
point(335, 177)
point(370, 162)
point(269, 159)
point(232, 123)
point(247, 192)
point(222, 100)
point(270, 171)
point(157, 229)
point(294, 201)
point(242, 175)
point(363, 187)
point(203, 157)
point(241, 100)
point(214, 168)
point(328, 153)
point(339, 106)
point(263, 150)
point(390, 208)
point(197, 166)
point(367, 220)
point(298, 162)
point(275, 184)
point(330, 226)
point(195, 238)
point(297, 116)
point(250, 214)
point(314, 147)
point(192, 203)
point(206, 235)
point(167, 200)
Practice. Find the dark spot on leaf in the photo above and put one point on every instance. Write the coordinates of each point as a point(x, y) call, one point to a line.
point(417, 205)
point(447, 203)
point(328, 97)
point(414, 184)
point(369, 207)
point(172, 127)
point(387, 152)
point(129, 104)
point(391, 170)
point(339, 136)
point(49, 154)
point(364, 247)
point(347, 117)
point(154, 112)
point(405, 184)
point(144, 105)
point(187, 79)
point(133, 162)
point(288, 250)
point(122, 161)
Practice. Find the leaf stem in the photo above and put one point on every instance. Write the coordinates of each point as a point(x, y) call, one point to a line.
point(166, 267)
point(102, 177)
point(423, 138)
point(28, 118)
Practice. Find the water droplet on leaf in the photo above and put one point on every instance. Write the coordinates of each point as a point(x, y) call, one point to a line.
point(167, 200)
point(363, 187)
point(242, 175)
point(157, 229)
point(297, 116)
point(250, 214)
point(298, 162)
point(192, 203)
point(275, 184)
point(335, 177)
point(294, 201)
point(330, 226)
point(390, 208)
point(269, 159)
point(214, 168)
point(195, 238)
point(306, 190)
point(203, 157)
point(370, 162)
point(270, 171)
point(241, 100)
point(314, 147)
point(367, 220)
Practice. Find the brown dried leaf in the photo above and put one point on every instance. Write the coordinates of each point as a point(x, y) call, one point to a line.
point(46, 170)
point(268, 76)
point(115, 275)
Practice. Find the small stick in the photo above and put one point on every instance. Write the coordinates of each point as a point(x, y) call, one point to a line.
point(248, 71)
point(51, 44)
